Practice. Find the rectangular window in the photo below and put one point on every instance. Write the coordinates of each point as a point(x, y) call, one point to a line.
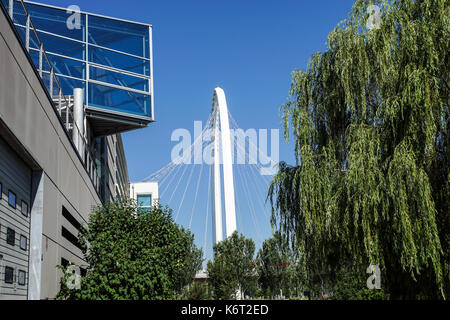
point(23, 242)
point(64, 262)
point(10, 236)
point(70, 237)
point(24, 208)
point(1, 192)
point(144, 201)
point(73, 221)
point(22, 276)
point(9, 275)
point(12, 199)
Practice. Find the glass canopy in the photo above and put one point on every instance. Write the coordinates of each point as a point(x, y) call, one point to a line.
point(110, 59)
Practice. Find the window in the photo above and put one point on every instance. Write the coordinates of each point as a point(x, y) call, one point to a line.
point(22, 275)
point(9, 275)
point(144, 201)
point(12, 199)
point(10, 236)
point(64, 262)
point(23, 242)
point(71, 238)
point(1, 190)
point(73, 221)
point(25, 208)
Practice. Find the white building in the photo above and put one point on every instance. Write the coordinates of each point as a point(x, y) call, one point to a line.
point(145, 193)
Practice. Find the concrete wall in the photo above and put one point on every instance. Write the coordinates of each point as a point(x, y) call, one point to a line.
point(31, 126)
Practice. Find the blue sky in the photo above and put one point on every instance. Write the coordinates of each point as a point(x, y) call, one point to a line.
point(247, 47)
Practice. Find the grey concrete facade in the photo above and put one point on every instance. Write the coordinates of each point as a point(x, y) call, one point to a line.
point(31, 127)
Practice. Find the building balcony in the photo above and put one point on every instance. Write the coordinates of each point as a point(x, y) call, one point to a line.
point(110, 59)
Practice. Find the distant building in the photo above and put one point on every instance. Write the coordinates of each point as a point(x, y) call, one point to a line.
point(201, 276)
point(145, 194)
point(68, 89)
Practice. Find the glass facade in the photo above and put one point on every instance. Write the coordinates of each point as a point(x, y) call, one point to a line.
point(109, 58)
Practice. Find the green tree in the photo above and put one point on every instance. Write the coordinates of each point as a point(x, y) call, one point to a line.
point(134, 254)
point(276, 263)
point(191, 264)
point(370, 119)
point(347, 285)
point(198, 291)
point(233, 268)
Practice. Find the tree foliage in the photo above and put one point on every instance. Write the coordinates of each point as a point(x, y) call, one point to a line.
point(134, 254)
point(370, 119)
point(277, 267)
point(233, 268)
point(198, 291)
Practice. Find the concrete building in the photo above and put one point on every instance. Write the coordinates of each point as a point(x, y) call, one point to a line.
point(70, 84)
point(145, 193)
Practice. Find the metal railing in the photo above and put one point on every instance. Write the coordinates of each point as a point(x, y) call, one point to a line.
point(63, 104)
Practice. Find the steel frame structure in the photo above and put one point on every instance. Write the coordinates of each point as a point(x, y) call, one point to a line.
point(87, 64)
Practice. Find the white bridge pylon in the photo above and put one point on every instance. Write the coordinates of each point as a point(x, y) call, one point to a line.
point(222, 148)
point(210, 174)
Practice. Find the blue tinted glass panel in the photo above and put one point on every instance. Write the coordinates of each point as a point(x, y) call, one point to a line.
point(45, 64)
point(33, 39)
point(19, 15)
point(58, 21)
point(119, 35)
point(54, 86)
point(62, 46)
point(119, 61)
point(144, 200)
point(119, 100)
point(35, 57)
point(12, 199)
point(119, 79)
point(46, 80)
point(67, 67)
point(67, 85)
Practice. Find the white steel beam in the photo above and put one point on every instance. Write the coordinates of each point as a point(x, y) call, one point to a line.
point(217, 195)
point(221, 108)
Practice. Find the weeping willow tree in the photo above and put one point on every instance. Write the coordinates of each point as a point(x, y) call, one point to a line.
point(370, 119)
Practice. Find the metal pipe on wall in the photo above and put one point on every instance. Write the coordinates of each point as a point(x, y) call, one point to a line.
point(78, 120)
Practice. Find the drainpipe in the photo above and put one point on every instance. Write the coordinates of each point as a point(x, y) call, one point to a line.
point(78, 120)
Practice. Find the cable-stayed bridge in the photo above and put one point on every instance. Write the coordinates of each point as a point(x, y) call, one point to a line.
point(218, 183)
